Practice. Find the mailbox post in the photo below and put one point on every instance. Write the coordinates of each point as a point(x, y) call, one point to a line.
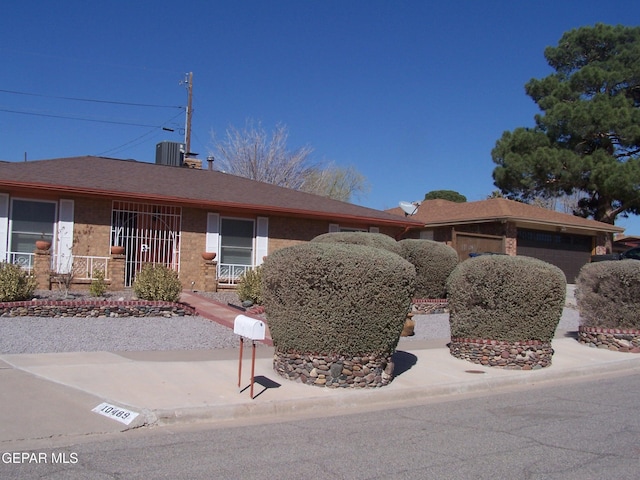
point(254, 330)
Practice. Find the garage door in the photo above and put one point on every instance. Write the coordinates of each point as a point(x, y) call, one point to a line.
point(565, 251)
point(469, 243)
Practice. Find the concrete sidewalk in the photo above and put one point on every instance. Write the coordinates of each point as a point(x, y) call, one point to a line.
point(47, 396)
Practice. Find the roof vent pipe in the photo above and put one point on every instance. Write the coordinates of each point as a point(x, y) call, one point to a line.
point(210, 160)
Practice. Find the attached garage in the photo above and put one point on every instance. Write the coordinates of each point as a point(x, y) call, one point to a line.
point(467, 244)
point(504, 226)
point(569, 252)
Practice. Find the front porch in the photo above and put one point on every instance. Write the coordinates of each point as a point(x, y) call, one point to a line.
point(49, 273)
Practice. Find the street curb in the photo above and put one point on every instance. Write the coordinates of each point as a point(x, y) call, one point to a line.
point(347, 401)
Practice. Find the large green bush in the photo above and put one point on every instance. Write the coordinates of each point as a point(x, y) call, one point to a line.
point(434, 262)
point(378, 240)
point(608, 294)
point(15, 283)
point(336, 299)
point(505, 298)
point(157, 282)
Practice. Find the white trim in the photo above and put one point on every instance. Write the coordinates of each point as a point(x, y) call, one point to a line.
point(65, 237)
point(262, 239)
point(4, 226)
point(212, 243)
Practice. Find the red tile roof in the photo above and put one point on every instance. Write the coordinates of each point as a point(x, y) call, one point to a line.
point(433, 213)
point(141, 181)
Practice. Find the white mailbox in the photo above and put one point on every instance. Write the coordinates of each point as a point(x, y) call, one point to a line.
point(249, 327)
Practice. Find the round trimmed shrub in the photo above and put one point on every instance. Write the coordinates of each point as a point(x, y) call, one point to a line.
point(608, 294)
point(157, 282)
point(15, 283)
point(505, 298)
point(434, 262)
point(336, 299)
point(378, 240)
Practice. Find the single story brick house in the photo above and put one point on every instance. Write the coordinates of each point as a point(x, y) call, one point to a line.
point(163, 214)
point(504, 226)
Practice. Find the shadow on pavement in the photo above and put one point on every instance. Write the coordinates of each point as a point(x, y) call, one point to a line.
point(403, 361)
point(264, 382)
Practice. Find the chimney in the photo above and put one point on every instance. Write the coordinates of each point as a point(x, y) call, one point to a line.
point(191, 162)
point(210, 160)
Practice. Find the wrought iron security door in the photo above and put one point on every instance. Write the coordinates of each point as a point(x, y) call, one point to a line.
point(149, 233)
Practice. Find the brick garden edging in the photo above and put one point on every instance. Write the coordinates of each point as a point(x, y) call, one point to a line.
point(525, 355)
point(334, 371)
point(85, 308)
point(616, 339)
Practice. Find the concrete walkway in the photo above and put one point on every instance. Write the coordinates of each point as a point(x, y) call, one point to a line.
point(51, 396)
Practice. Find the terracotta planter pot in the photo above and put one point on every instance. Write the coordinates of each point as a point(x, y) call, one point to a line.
point(208, 255)
point(117, 250)
point(43, 244)
point(409, 326)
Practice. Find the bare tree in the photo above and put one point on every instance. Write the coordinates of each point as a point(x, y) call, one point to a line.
point(336, 182)
point(253, 153)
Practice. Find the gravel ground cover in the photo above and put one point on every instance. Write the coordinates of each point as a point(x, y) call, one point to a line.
point(49, 335)
point(114, 334)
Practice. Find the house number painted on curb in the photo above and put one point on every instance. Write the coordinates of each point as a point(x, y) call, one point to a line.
point(116, 413)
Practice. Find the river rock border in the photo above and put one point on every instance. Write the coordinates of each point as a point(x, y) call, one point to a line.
point(334, 371)
point(524, 355)
point(616, 339)
point(82, 308)
point(428, 306)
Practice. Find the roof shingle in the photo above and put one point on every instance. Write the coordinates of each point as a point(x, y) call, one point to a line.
point(131, 179)
point(444, 212)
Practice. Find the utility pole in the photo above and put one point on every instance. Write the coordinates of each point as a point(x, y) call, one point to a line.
point(187, 128)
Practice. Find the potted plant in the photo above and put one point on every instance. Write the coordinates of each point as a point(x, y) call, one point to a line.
point(117, 250)
point(43, 243)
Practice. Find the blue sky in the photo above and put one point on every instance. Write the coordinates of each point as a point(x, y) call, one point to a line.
point(413, 94)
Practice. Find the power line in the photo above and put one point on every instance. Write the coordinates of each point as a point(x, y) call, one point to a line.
point(127, 144)
point(92, 100)
point(84, 119)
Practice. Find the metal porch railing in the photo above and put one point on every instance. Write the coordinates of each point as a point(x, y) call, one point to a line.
point(228, 274)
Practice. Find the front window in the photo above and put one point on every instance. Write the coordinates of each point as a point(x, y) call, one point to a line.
point(236, 242)
point(30, 221)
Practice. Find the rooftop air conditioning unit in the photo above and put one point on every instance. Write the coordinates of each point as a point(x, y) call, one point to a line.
point(170, 153)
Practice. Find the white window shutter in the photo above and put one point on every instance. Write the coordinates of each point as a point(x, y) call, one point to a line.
point(64, 237)
point(334, 227)
point(213, 232)
point(374, 230)
point(4, 226)
point(262, 239)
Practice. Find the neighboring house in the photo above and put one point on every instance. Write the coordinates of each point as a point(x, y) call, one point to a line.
point(504, 226)
point(161, 214)
point(625, 242)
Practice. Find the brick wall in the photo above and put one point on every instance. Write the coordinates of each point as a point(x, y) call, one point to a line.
point(92, 227)
point(511, 239)
point(192, 244)
point(285, 232)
